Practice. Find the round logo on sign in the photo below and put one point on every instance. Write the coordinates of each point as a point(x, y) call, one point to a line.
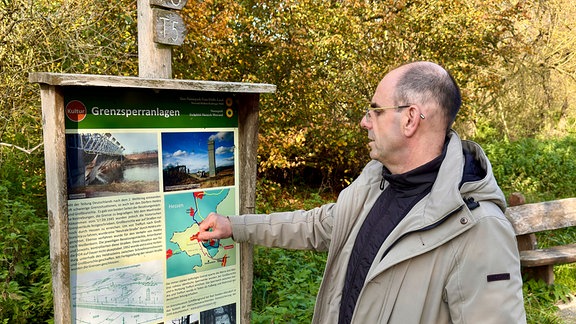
point(75, 111)
point(229, 112)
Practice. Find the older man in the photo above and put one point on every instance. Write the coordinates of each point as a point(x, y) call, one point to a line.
point(420, 236)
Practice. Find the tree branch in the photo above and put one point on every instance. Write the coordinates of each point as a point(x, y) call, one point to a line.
point(27, 151)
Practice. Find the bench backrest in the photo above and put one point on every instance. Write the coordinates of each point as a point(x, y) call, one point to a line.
point(548, 215)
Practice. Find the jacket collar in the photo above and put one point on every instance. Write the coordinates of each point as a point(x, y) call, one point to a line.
point(454, 185)
point(415, 181)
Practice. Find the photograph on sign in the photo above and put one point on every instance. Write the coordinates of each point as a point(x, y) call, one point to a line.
point(220, 315)
point(197, 160)
point(187, 319)
point(108, 164)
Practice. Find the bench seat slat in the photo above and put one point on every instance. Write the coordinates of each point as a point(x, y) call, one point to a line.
point(554, 255)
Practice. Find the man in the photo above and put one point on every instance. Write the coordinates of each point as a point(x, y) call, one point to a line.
point(420, 236)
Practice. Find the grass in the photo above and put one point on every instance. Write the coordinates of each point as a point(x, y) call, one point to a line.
point(540, 299)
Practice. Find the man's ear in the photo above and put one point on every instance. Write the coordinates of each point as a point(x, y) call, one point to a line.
point(412, 120)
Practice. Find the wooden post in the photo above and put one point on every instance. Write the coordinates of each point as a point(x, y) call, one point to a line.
point(57, 199)
point(248, 134)
point(154, 60)
point(525, 241)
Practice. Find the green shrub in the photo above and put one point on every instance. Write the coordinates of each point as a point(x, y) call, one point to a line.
point(285, 285)
point(540, 169)
point(22, 176)
point(540, 301)
point(25, 288)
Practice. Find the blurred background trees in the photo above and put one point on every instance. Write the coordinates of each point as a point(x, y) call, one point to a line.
point(514, 61)
point(94, 36)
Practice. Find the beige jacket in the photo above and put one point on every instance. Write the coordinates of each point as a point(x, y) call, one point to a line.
point(445, 262)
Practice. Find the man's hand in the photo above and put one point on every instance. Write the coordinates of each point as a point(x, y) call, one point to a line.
point(215, 226)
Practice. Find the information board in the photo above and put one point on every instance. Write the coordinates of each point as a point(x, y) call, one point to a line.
point(145, 167)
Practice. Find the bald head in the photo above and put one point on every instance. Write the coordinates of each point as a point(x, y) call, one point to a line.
point(427, 83)
point(427, 100)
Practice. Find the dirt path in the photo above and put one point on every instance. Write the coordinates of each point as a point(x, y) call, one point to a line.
point(567, 312)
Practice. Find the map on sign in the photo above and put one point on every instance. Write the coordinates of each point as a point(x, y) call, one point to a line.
point(185, 254)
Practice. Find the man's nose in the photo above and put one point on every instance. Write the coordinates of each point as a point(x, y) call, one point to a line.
point(364, 122)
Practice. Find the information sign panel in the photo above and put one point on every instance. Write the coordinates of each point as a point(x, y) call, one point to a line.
point(144, 169)
point(132, 166)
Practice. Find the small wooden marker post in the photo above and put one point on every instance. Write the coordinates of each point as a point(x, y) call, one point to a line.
point(159, 28)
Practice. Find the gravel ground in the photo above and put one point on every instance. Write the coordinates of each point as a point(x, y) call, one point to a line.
point(567, 312)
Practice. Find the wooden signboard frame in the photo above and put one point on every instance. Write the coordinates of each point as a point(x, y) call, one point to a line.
point(53, 118)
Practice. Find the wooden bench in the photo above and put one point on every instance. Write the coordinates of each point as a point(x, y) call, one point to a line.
point(528, 219)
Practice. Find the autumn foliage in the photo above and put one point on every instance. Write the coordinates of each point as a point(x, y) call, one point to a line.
point(326, 57)
point(514, 61)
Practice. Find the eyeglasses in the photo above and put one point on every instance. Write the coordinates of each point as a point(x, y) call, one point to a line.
point(369, 118)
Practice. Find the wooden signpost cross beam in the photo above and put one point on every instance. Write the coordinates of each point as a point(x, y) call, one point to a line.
point(159, 28)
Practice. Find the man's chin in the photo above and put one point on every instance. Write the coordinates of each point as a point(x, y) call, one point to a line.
point(373, 155)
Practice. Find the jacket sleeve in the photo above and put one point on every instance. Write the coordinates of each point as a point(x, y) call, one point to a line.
point(313, 229)
point(303, 230)
point(486, 286)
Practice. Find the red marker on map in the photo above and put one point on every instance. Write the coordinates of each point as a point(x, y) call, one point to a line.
point(199, 194)
point(192, 212)
point(168, 253)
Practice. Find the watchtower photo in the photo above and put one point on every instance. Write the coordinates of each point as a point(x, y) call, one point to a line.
point(194, 160)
